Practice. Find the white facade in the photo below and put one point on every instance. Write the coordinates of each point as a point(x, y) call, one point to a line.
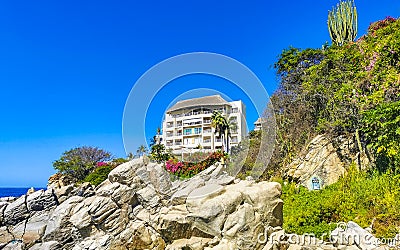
point(257, 124)
point(187, 125)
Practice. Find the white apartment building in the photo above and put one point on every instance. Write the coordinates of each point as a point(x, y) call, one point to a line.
point(187, 124)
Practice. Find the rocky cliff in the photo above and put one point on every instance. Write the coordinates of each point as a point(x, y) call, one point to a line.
point(139, 207)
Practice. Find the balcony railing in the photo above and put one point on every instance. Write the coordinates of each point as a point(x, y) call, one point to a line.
point(193, 123)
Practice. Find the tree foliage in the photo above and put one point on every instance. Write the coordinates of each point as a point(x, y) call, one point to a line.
point(222, 128)
point(159, 153)
point(79, 162)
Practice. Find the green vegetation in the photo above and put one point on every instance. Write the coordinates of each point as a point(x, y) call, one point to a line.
point(159, 153)
point(359, 196)
point(99, 175)
point(87, 164)
point(353, 91)
point(222, 128)
point(79, 162)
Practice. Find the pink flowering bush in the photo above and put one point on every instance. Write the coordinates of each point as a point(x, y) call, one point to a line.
point(373, 27)
point(173, 165)
point(189, 169)
point(101, 164)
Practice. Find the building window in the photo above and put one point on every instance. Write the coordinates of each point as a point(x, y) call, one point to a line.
point(197, 131)
point(235, 110)
point(187, 131)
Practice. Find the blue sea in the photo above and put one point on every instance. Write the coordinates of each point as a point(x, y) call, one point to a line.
point(15, 192)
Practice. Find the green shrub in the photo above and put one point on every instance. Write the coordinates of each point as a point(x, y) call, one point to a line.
point(99, 175)
point(359, 197)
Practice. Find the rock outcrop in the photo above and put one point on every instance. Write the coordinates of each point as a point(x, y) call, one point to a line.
point(324, 162)
point(139, 207)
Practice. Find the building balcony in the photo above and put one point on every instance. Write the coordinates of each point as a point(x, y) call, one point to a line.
point(192, 124)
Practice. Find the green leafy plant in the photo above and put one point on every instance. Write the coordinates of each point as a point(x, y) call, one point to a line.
point(99, 175)
point(361, 197)
point(159, 153)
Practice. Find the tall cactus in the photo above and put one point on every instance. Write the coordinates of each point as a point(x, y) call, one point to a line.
point(342, 22)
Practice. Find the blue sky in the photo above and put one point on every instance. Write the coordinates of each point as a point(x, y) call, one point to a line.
point(67, 67)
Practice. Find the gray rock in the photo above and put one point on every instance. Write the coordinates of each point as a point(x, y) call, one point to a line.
point(138, 235)
point(50, 245)
point(8, 199)
point(85, 190)
point(148, 197)
point(101, 208)
point(16, 211)
point(321, 161)
point(3, 206)
point(35, 227)
point(58, 226)
point(184, 189)
point(63, 193)
point(41, 200)
point(126, 172)
point(94, 243)
point(14, 245)
point(80, 216)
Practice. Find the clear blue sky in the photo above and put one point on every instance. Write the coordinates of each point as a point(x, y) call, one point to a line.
point(67, 67)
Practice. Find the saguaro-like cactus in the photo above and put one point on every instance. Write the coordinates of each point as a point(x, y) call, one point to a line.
point(342, 22)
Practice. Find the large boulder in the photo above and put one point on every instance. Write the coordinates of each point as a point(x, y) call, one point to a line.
point(16, 212)
point(321, 164)
point(41, 200)
point(126, 172)
point(138, 235)
point(59, 228)
point(235, 212)
point(324, 161)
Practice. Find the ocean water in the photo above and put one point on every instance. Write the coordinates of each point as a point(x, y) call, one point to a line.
point(15, 192)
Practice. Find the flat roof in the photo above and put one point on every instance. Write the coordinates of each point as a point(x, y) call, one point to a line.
point(213, 100)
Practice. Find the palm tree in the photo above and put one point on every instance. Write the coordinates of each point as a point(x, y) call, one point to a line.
point(141, 150)
point(221, 126)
